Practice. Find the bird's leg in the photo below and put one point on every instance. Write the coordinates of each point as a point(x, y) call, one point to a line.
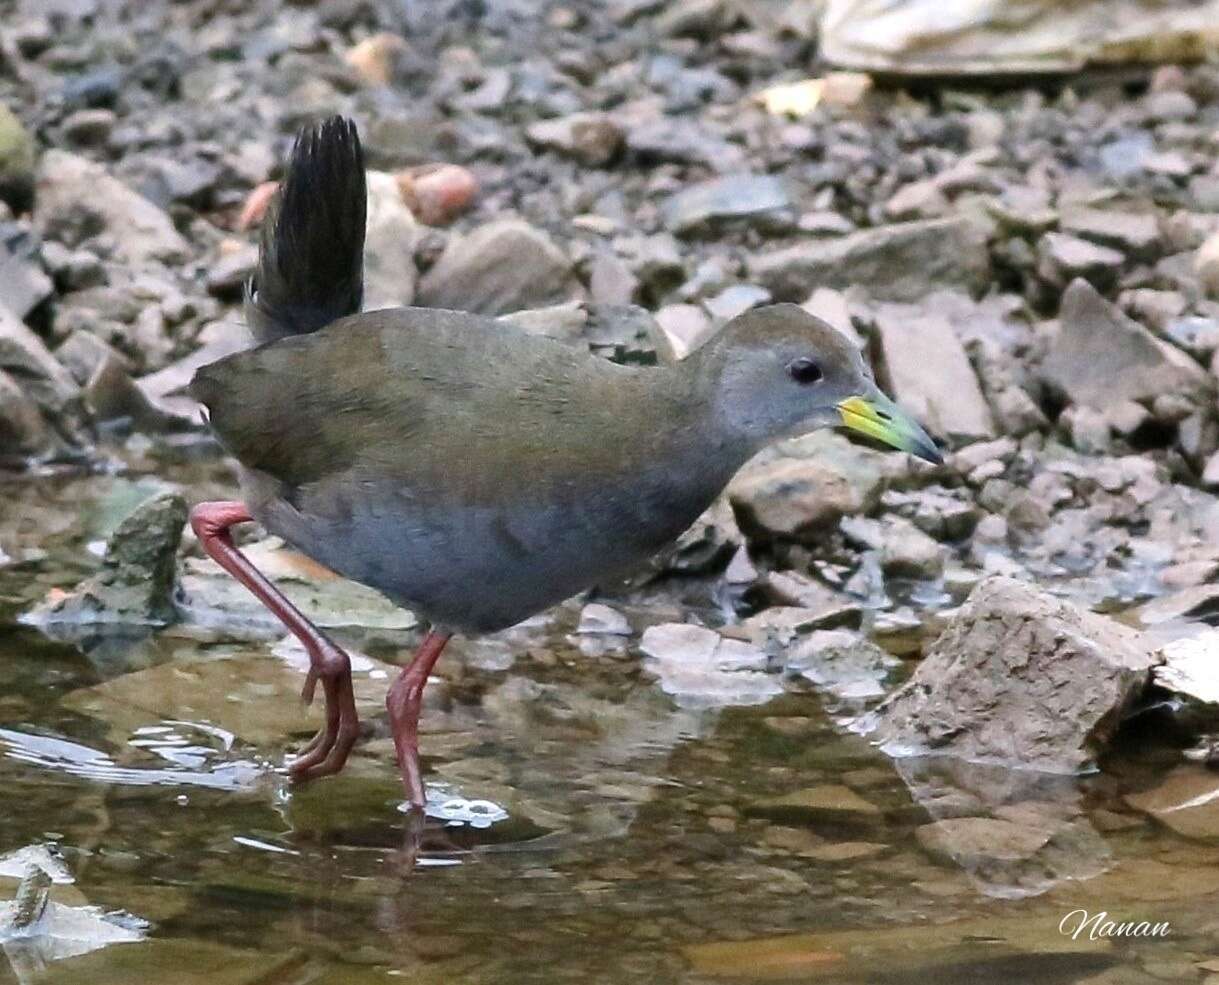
point(327, 752)
point(402, 702)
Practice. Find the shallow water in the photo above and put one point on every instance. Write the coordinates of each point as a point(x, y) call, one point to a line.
point(584, 827)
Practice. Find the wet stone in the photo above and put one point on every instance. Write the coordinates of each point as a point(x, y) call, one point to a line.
point(761, 202)
point(1186, 800)
point(136, 581)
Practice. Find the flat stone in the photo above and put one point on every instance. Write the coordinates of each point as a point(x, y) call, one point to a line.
point(390, 275)
point(504, 266)
point(924, 364)
point(23, 284)
point(1186, 800)
point(736, 300)
point(901, 262)
point(1137, 234)
point(758, 201)
point(701, 669)
point(1100, 357)
point(1061, 258)
point(1189, 667)
point(975, 841)
point(905, 551)
point(1018, 677)
point(850, 668)
point(598, 618)
point(829, 802)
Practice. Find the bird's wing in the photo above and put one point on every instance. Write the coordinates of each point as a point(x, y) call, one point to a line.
point(415, 395)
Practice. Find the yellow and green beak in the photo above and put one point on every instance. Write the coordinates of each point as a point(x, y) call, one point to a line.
point(880, 418)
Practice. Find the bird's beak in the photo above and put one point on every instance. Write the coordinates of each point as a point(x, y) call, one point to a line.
point(879, 417)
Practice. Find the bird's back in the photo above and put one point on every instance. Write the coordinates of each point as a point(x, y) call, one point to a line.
point(420, 451)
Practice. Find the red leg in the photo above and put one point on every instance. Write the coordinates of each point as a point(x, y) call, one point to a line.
point(328, 751)
point(402, 702)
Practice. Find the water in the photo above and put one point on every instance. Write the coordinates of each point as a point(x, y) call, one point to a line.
point(582, 826)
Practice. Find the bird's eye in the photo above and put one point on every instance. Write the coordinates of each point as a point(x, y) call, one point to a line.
point(804, 370)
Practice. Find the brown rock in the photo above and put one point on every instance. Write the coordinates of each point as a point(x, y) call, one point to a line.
point(1022, 678)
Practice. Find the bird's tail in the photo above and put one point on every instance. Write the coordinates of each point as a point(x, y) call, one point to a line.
point(311, 258)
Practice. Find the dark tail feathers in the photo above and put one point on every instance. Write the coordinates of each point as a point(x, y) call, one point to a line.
point(311, 258)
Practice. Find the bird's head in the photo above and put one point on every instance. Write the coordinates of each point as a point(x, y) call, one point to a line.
point(777, 372)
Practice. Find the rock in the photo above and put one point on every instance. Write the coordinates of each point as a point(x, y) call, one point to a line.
point(78, 198)
point(23, 285)
point(852, 669)
point(136, 580)
point(24, 356)
point(111, 394)
point(228, 273)
point(374, 58)
point(437, 194)
point(757, 201)
point(593, 139)
point(972, 842)
point(1018, 677)
point(801, 497)
point(1189, 667)
point(564, 322)
point(1100, 358)
point(22, 430)
point(1061, 258)
point(686, 327)
point(905, 551)
point(82, 352)
point(900, 262)
point(923, 365)
point(89, 127)
point(598, 618)
point(828, 803)
point(681, 140)
point(1137, 234)
point(389, 246)
point(17, 159)
point(474, 272)
point(736, 300)
point(610, 281)
point(1206, 265)
point(701, 669)
point(1186, 800)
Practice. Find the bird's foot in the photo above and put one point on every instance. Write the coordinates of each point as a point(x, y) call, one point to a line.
point(327, 751)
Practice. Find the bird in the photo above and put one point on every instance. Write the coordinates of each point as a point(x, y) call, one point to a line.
point(466, 469)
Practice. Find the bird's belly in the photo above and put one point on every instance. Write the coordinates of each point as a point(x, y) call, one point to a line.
point(477, 568)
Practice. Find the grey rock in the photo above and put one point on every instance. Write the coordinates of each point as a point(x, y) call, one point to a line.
point(593, 139)
point(78, 198)
point(22, 429)
point(23, 284)
point(598, 618)
point(227, 275)
point(851, 669)
point(1018, 677)
point(924, 365)
point(701, 669)
point(504, 266)
point(686, 327)
point(905, 551)
point(1137, 234)
point(736, 300)
point(900, 262)
point(89, 127)
point(1100, 357)
point(610, 281)
point(564, 322)
point(758, 201)
point(136, 580)
point(24, 356)
point(82, 352)
point(1060, 258)
point(681, 140)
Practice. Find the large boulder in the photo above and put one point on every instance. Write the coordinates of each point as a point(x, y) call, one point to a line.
point(1019, 678)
